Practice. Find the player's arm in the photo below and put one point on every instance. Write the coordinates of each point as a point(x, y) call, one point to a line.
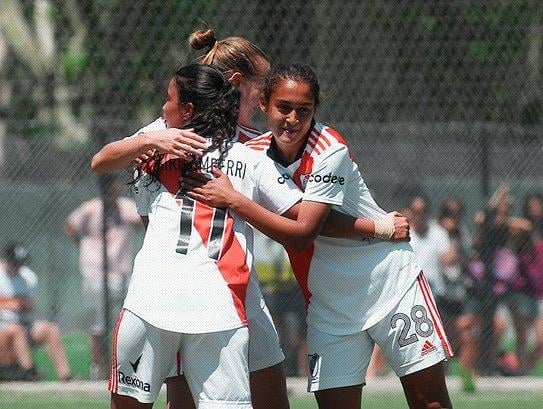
point(219, 192)
point(182, 143)
point(70, 231)
point(75, 222)
point(393, 226)
point(297, 227)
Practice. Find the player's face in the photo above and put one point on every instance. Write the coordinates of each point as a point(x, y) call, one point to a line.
point(290, 110)
point(175, 112)
point(250, 88)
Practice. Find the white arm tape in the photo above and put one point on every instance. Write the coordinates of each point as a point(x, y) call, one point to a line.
point(384, 227)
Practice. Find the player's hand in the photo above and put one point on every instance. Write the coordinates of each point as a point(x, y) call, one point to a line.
point(401, 228)
point(181, 143)
point(144, 157)
point(216, 192)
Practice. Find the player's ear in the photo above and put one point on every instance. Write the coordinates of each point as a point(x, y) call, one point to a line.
point(235, 78)
point(263, 104)
point(189, 111)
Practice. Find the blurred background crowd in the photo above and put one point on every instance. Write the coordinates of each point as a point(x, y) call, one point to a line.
point(440, 101)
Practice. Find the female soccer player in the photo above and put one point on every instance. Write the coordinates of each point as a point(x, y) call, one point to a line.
point(358, 293)
point(246, 66)
point(187, 293)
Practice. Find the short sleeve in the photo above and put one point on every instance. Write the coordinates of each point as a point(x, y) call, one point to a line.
point(31, 280)
point(142, 194)
point(328, 179)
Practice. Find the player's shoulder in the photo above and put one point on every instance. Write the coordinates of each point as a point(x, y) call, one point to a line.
point(240, 152)
point(323, 138)
point(260, 143)
point(246, 133)
point(158, 124)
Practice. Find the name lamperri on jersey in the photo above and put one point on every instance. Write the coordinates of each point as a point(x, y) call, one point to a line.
point(232, 168)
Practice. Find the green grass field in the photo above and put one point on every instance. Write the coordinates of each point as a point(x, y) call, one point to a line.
point(77, 349)
point(460, 401)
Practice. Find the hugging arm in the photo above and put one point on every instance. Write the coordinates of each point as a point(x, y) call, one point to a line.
point(308, 218)
point(391, 227)
point(120, 154)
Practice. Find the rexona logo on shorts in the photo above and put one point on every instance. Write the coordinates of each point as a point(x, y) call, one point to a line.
point(134, 381)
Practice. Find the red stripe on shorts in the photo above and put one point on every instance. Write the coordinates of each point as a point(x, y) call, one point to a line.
point(432, 308)
point(113, 375)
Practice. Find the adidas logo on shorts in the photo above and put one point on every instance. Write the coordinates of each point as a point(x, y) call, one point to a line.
point(427, 348)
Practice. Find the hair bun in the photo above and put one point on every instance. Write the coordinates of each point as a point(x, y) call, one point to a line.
point(202, 38)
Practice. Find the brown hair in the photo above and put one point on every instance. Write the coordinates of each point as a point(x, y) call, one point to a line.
point(229, 54)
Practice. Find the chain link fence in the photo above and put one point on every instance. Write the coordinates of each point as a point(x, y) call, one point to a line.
point(436, 98)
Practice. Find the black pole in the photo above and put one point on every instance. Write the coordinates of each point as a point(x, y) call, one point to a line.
point(104, 182)
point(487, 300)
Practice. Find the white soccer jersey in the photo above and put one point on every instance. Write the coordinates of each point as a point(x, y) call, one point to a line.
point(192, 272)
point(349, 285)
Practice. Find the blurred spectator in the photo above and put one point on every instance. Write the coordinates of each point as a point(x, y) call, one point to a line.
point(501, 275)
point(435, 252)
point(514, 290)
point(519, 283)
point(84, 226)
point(18, 330)
point(454, 297)
point(481, 302)
point(531, 258)
point(284, 298)
point(532, 210)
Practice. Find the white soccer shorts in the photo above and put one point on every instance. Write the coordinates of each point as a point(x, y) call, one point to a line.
point(411, 337)
point(215, 363)
point(264, 348)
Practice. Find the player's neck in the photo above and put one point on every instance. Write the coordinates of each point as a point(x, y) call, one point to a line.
point(245, 120)
point(245, 115)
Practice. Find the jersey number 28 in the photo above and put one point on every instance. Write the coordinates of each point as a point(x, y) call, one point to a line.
point(424, 326)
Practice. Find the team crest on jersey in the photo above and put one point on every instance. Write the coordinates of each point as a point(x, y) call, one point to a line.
point(314, 363)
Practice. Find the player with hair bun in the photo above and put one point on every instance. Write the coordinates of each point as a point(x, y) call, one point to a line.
point(246, 65)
